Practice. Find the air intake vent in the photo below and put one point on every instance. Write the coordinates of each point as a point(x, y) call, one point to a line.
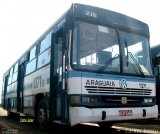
point(118, 91)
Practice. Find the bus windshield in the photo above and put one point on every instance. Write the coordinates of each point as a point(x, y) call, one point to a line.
point(96, 48)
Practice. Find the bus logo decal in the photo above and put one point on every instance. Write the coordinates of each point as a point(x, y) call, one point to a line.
point(124, 100)
point(123, 84)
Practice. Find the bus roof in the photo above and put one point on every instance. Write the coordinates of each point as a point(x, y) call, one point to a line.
point(104, 16)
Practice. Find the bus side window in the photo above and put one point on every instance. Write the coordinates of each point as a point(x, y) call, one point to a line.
point(11, 72)
point(10, 76)
point(31, 65)
point(44, 58)
point(15, 74)
point(32, 53)
point(9, 80)
point(45, 43)
point(45, 51)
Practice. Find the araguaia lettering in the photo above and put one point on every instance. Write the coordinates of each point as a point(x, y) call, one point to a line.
point(103, 83)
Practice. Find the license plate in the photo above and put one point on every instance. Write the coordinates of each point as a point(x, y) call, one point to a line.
point(125, 112)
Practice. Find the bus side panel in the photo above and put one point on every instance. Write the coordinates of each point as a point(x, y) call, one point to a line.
point(35, 83)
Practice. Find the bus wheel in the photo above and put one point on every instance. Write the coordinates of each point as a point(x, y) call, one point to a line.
point(42, 114)
point(8, 113)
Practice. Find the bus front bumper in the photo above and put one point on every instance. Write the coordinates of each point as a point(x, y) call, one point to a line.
point(83, 115)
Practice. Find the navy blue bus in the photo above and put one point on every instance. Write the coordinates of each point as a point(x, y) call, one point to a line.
point(91, 65)
point(155, 53)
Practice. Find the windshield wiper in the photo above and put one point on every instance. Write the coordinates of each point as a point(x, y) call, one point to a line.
point(107, 63)
point(126, 45)
point(137, 64)
point(135, 61)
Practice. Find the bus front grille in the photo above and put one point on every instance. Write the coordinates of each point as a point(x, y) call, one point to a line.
point(118, 99)
point(118, 91)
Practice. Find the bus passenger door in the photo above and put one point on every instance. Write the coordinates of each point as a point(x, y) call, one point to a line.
point(21, 74)
point(57, 104)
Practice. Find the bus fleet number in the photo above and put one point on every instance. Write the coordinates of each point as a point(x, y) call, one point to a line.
point(38, 82)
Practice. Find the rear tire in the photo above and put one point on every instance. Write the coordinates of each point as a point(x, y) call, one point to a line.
point(9, 108)
point(42, 115)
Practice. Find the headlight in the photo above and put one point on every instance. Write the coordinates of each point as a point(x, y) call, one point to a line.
point(85, 99)
point(146, 100)
point(89, 99)
point(75, 99)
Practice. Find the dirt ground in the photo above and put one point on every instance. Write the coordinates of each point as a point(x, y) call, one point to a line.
point(15, 126)
point(3, 112)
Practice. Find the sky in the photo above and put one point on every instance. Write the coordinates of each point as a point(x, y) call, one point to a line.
point(22, 22)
